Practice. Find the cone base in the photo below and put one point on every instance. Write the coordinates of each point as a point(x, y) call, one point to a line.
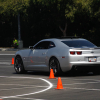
point(59, 88)
point(51, 78)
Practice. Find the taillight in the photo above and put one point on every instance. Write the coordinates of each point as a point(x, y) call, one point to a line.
point(72, 52)
point(79, 52)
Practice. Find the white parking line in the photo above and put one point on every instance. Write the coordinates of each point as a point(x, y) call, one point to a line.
point(28, 98)
point(23, 85)
point(82, 83)
point(91, 89)
point(7, 63)
point(83, 79)
point(7, 54)
point(49, 87)
point(83, 89)
point(4, 60)
point(22, 88)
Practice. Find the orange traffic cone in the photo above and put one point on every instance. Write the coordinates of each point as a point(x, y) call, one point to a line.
point(12, 61)
point(59, 84)
point(51, 74)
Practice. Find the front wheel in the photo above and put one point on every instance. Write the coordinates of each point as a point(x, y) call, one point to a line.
point(18, 65)
point(54, 64)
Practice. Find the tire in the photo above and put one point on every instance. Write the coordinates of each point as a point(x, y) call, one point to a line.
point(54, 64)
point(18, 65)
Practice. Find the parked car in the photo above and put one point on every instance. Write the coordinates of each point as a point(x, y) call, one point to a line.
point(61, 55)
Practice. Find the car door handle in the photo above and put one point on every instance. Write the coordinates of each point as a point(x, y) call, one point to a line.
point(44, 53)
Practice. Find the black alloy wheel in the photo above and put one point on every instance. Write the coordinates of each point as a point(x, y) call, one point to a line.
point(18, 65)
point(54, 64)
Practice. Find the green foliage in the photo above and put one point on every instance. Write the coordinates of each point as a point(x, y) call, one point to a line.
point(13, 6)
point(43, 17)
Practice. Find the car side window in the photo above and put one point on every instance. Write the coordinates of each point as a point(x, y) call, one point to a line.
point(42, 45)
point(51, 45)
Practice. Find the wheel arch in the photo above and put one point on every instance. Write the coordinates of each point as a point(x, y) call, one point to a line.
point(52, 57)
point(56, 58)
point(18, 55)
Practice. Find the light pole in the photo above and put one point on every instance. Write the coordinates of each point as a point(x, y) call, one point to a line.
point(19, 35)
point(20, 42)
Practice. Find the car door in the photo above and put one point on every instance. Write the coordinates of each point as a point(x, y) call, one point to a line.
point(43, 54)
point(43, 58)
point(37, 56)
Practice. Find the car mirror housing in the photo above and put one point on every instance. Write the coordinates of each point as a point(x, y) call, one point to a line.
point(31, 47)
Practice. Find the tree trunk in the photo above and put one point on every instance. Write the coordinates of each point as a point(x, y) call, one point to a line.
point(64, 31)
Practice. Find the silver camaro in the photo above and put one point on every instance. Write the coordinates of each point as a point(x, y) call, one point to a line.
point(61, 55)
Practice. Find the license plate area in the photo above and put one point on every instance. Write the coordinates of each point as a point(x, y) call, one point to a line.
point(92, 59)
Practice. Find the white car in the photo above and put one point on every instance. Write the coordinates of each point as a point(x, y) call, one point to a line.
point(61, 55)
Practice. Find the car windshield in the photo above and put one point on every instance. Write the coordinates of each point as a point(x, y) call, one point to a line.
point(79, 43)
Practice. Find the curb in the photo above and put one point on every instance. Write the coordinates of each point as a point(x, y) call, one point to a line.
point(8, 49)
point(11, 49)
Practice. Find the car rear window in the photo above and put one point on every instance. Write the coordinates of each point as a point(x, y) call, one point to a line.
point(79, 43)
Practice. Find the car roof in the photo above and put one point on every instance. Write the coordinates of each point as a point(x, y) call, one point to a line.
point(58, 42)
point(62, 39)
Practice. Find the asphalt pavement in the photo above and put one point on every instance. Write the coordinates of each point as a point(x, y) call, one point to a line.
point(38, 86)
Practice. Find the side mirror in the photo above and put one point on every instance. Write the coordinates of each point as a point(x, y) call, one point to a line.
point(31, 47)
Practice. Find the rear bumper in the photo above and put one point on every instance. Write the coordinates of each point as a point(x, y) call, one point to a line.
point(69, 64)
point(86, 67)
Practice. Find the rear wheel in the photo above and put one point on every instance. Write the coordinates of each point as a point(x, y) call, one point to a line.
point(18, 65)
point(54, 64)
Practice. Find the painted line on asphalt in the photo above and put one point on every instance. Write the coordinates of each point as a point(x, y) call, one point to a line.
point(28, 98)
point(7, 63)
point(83, 79)
point(83, 89)
point(4, 60)
point(82, 83)
point(7, 54)
point(23, 85)
point(49, 87)
point(34, 86)
point(96, 81)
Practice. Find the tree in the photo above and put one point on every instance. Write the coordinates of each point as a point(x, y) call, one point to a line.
point(49, 18)
point(64, 30)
